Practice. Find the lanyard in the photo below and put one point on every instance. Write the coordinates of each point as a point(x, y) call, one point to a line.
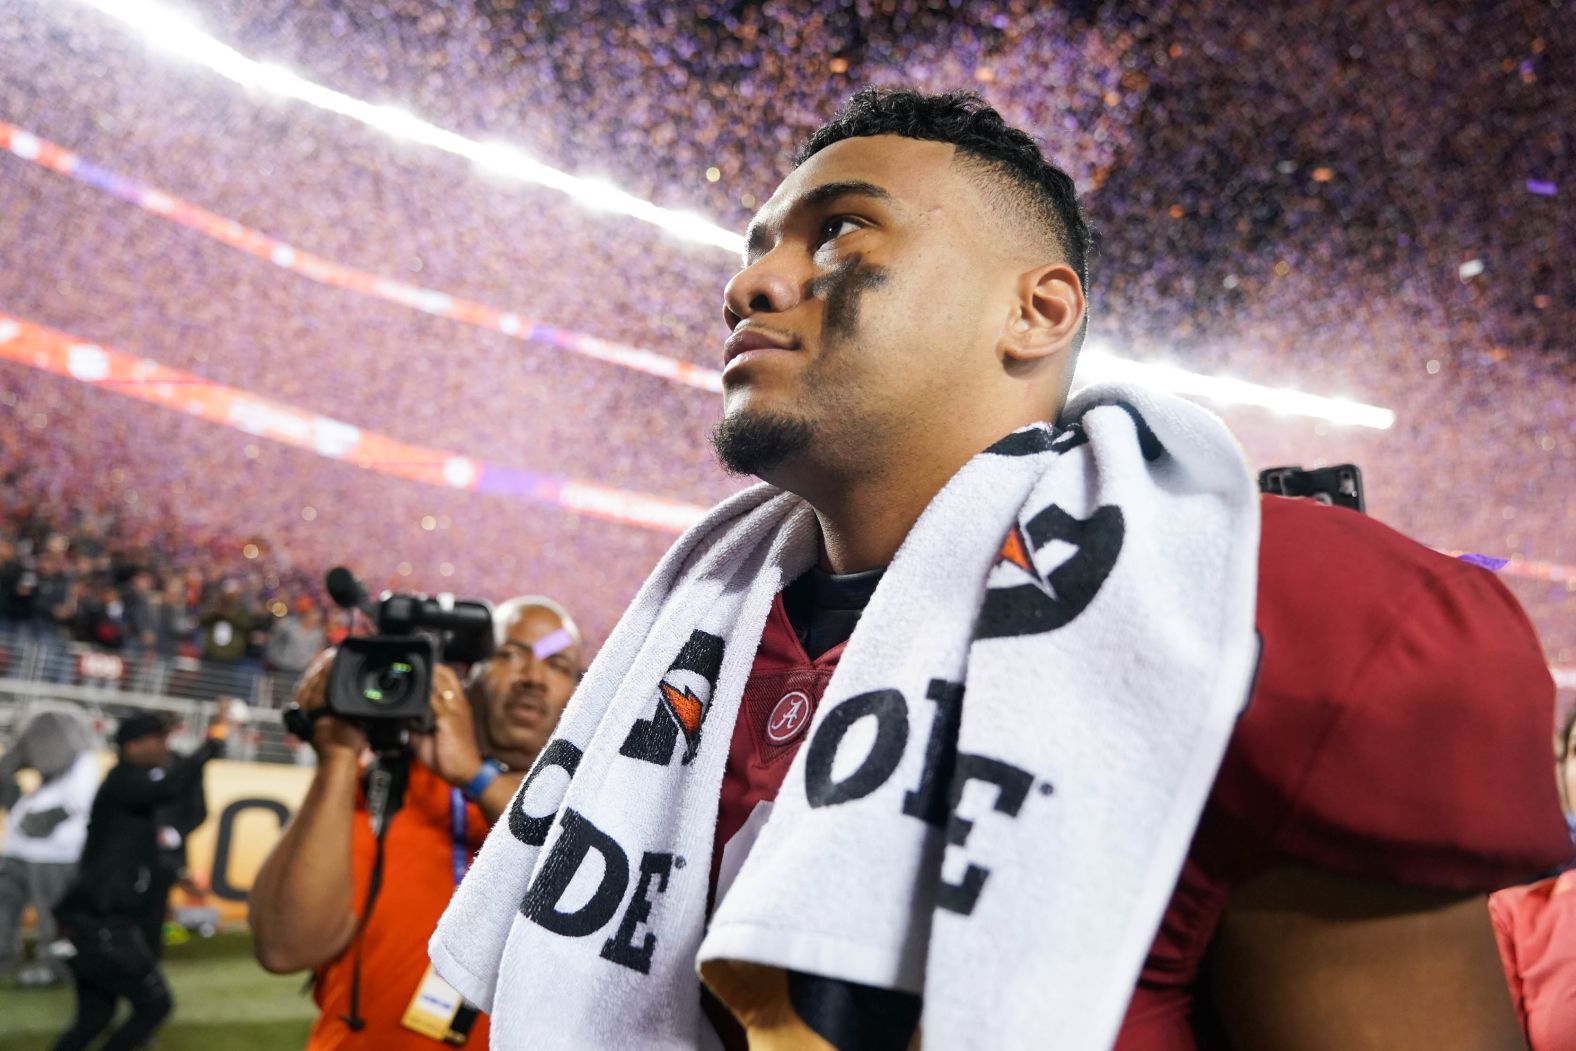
point(457, 834)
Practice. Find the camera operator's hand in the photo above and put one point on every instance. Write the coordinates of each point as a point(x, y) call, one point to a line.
point(302, 901)
point(224, 720)
point(218, 733)
point(450, 750)
point(330, 736)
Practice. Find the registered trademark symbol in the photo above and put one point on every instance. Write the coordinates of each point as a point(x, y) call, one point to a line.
point(1046, 788)
point(678, 862)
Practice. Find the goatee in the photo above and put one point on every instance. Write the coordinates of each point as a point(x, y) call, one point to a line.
point(747, 443)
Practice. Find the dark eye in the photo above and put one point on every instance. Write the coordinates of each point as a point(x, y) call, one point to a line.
point(836, 227)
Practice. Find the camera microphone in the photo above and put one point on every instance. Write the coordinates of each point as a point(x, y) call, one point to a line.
point(347, 592)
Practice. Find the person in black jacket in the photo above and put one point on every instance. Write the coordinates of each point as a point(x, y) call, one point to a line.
point(113, 912)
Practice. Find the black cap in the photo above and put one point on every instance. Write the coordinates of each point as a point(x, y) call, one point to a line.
point(140, 724)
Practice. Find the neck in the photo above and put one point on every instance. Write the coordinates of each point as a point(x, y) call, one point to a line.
point(867, 504)
point(864, 528)
point(513, 758)
point(865, 518)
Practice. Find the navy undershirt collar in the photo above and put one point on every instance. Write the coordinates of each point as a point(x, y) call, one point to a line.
point(823, 607)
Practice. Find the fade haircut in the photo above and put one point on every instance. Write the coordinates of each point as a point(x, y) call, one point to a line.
point(1030, 186)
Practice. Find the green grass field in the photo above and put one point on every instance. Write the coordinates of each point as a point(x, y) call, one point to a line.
point(223, 1002)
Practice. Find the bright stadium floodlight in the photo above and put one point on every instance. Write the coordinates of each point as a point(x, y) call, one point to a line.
point(1096, 363)
point(175, 33)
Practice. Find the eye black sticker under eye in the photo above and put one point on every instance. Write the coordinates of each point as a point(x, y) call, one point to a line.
point(843, 289)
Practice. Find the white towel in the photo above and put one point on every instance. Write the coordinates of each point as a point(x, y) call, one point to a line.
point(1047, 676)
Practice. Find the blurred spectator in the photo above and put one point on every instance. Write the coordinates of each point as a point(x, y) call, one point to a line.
point(225, 627)
point(141, 601)
point(48, 593)
point(292, 643)
point(173, 623)
point(226, 639)
point(10, 574)
point(101, 614)
point(45, 830)
point(114, 912)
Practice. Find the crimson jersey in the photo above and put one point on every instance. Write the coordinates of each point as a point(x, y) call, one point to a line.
point(1398, 731)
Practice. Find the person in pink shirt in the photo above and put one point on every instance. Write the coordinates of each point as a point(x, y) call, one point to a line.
point(1536, 929)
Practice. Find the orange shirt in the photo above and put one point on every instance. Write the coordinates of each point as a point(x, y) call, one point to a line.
point(1536, 928)
point(418, 879)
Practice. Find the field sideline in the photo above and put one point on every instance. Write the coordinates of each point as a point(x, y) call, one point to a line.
point(223, 1002)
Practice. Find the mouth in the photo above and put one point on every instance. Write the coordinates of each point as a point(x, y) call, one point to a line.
point(749, 342)
point(525, 707)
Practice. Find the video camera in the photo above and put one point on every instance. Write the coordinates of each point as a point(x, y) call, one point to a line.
point(1338, 486)
point(382, 682)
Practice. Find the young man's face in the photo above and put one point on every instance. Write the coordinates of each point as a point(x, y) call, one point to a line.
point(868, 309)
point(525, 686)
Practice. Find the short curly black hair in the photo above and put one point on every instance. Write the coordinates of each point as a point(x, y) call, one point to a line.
point(966, 121)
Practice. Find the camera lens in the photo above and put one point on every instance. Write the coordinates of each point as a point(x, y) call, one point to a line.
point(388, 685)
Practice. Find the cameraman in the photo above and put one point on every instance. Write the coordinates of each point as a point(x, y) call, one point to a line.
point(309, 901)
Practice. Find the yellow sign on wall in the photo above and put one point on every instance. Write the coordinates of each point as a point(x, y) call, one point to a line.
point(248, 805)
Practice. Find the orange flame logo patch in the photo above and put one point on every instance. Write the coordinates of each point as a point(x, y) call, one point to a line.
point(1016, 551)
point(686, 708)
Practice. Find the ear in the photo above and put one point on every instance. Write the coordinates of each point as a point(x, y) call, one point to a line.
point(1046, 315)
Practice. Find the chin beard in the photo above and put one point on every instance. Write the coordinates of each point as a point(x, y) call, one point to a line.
point(750, 444)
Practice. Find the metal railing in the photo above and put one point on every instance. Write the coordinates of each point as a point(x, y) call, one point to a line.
point(43, 671)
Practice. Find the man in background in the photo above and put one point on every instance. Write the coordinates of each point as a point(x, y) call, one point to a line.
point(114, 912)
point(45, 831)
point(226, 638)
point(292, 643)
point(172, 618)
point(322, 899)
point(47, 595)
point(140, 600)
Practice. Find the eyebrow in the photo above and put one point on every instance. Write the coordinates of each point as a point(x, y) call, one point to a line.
point(755, 237)
point(552, 645)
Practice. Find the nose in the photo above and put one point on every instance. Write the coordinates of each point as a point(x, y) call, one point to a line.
point(533, 672)
point(760, 288)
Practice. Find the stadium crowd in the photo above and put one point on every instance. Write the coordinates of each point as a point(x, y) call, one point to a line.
point(1287, 197)
point(1358, 200)
point(83, 575)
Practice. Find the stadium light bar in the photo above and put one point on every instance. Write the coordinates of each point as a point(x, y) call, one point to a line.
point(26, 343)
point(1095, 363)
point(174, 33)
